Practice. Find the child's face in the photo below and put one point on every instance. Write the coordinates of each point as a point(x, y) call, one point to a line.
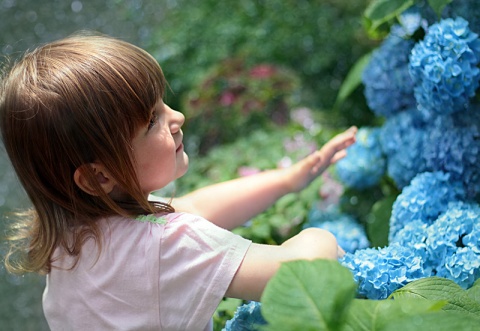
point(158, 149)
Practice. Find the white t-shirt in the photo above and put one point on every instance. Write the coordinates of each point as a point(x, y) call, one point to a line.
point(168, 275)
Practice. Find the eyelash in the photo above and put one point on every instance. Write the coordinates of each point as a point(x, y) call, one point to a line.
point(153, 121)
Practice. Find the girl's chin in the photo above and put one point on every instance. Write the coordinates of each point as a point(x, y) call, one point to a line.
point(182, 169)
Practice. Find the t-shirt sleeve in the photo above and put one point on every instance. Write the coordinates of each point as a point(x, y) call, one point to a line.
point(198, 261)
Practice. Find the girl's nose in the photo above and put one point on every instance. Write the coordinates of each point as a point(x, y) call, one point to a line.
point(181, 117)
point(177, 119)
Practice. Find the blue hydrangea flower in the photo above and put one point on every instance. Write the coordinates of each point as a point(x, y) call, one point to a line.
point(463, 267)
point(426, 197)
point(444, 66)
point(364, 164)
point(387, 81)
point(247, 318)
point(409, 22)
point(379, 272)
point(349, 233)
point(402, 138)
point(453, 145)
point(453, 244)
point(414, 235)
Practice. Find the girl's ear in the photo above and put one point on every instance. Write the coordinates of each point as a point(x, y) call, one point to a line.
point(102, 176)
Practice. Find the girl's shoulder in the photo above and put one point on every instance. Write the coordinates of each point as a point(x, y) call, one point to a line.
point(166, 218)
point(169, 231)
point(162, 220)
point(151, 218)
point(179, 222)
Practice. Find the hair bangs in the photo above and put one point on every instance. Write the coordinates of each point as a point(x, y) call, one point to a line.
point(126, 80)
point(138, 84)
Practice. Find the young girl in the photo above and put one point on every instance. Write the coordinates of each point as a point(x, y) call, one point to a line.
point(85, 126)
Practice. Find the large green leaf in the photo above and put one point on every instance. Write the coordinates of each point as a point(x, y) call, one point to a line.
point(438, 5)
point(382, 11)
point(436, 321)
point(308, 295)
point(373, 315)
point(437, 288)
point(353, 79)
point(474, 291)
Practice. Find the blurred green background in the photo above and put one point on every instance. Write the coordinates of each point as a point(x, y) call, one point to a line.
point(234, 67)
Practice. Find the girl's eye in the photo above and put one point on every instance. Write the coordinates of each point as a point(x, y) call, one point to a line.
point(153, 121)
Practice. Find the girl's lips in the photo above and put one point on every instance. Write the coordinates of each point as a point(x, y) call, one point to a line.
point(180, 148)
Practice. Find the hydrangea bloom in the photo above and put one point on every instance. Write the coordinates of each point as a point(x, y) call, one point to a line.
point(426, 197)
point(410, 21)
point(247, 318)
point(444, 66)
point(453, 244)
point(453, 145)
point(432, 152)
point(414, 235)
point(364, 164)
point(349, 233)
point(388, 85)
point(402, 137)
point(379, 272)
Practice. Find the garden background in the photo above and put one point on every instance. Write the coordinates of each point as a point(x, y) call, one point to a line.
point(259, 79)
point(312, 43)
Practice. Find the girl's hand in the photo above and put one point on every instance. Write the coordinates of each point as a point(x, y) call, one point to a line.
point(301, 174)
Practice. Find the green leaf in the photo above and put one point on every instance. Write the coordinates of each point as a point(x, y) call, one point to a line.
point(474, 291)
point(353, 79)
point(286, 201)
point(382, 11)
point(438, 5)
point(378, 222)
point(229, 304)
point(261, 229)
point(370, 315)
point(308, 295)
point(436, 321)
point(437, 288)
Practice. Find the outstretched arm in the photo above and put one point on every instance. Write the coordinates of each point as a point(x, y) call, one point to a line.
point(232, 203)
point(262, 261)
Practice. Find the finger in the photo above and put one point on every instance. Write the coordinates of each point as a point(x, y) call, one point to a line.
point(332, 151)
point(353, 129)
point(341, 141)
point(336, 151)
point(321, 166)
point(338, 156)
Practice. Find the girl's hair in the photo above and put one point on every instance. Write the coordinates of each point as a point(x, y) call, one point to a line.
point(62, 106)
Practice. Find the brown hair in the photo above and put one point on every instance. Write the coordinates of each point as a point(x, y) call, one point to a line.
point(63, 105)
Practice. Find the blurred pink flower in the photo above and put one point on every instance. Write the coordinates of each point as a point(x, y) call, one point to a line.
point(285, 162)
point(262, 71)
point(247, 171)
point(303, 116)
point(227, 98)
point(330, 192)
point(299, 142)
